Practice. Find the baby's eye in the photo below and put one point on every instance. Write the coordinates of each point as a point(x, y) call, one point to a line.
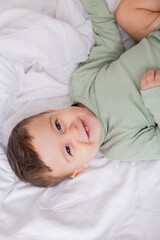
point(58, 126)
point(68, 150)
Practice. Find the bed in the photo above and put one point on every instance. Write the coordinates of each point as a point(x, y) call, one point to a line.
point(111, 200)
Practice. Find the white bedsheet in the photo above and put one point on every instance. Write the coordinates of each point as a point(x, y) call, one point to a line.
point(111, 200)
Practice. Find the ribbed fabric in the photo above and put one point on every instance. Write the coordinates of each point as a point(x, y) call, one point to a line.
point(109, 84)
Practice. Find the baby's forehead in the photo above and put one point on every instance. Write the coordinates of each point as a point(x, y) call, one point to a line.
point(32, 121)
point(37, 116)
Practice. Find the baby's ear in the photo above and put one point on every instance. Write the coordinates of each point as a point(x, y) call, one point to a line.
point(78, 170)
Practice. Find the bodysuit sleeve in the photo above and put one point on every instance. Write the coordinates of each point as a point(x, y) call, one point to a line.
point(151, 98)
point(108, 44)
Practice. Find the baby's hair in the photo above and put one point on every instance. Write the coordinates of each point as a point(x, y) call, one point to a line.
point(25, 161)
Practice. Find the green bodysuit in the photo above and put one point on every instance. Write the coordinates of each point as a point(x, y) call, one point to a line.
point(109, 85)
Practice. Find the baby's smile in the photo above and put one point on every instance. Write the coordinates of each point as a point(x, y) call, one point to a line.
point(87, 129)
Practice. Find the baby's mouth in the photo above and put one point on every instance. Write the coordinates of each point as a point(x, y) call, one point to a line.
point(86, 127)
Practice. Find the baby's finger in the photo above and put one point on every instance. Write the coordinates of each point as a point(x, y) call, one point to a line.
point(144, 81)
point(150, 76)
point(157, 76)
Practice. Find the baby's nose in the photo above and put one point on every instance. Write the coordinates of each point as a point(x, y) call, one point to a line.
point(77, 133)
point(74, 132)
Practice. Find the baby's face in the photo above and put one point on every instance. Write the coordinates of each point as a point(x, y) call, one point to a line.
point(66, 139)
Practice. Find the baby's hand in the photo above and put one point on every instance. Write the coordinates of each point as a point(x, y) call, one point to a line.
point(150, 79)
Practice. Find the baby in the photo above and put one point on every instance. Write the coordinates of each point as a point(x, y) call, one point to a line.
point(112, 109)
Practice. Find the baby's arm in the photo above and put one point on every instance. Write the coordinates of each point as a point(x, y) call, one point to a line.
point(150, 85)
point(108, 44)
point(138, 17)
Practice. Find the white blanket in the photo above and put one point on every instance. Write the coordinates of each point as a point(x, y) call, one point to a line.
point(41, 43)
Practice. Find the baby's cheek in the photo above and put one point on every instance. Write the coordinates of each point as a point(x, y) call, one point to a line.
point(86, 152)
